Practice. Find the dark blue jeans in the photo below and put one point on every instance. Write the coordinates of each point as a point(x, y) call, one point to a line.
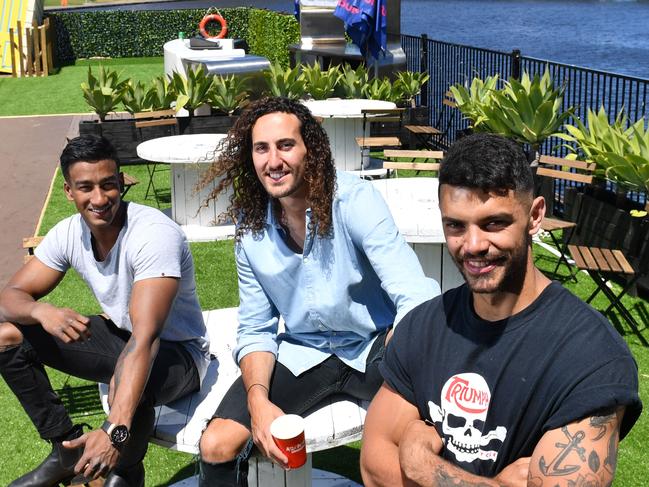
point(173, 375)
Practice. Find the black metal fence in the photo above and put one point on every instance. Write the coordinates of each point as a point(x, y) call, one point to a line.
point(448, 64)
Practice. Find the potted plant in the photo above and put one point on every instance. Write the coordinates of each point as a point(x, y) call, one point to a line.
point(192, 90)
point(470, 101)
point(103, 93)
point(408, 85)
point(352, 82)
point(620, 151)
point(320, 84)
point(287, 82)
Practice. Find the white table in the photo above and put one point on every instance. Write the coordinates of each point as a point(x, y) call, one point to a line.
point(414, 205)
point(177, 53)
point(190, 155)
point(343, 122)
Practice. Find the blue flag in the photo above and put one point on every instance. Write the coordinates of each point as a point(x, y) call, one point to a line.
point(366, 24)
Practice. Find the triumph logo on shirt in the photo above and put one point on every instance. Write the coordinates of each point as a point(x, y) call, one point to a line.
point(463, 412)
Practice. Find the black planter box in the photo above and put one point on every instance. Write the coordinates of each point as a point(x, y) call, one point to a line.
point(125, 137)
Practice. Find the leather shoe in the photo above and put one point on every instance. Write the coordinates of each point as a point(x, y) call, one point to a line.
point(130, 477)
point(57, 468)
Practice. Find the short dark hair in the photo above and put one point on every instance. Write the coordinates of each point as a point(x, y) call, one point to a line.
point(488, 162)
point(87, 148)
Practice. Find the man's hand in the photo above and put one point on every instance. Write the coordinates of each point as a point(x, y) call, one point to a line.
point(262, 414)
point(515, 474)
point(99, 455)
point(63, 323)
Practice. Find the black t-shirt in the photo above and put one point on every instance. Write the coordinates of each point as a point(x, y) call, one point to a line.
point(492, 389)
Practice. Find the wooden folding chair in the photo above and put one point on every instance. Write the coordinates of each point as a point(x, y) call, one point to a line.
point(151, 125)
point(421, 160)
point(436, 137)
point(386, 120)
point(553, 225)
point(603, 264)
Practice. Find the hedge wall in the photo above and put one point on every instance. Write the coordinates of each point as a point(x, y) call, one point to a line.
point(143, 33)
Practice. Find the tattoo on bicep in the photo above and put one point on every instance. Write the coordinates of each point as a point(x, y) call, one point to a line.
point(559, 464)
point(610, 462)
point(600, 423)
point(119, 366)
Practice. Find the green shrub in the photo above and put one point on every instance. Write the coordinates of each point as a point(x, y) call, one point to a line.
point(143, 33)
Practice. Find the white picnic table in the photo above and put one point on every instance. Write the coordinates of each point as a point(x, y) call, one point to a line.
point(414, 205)
point(343, 122)
point(190, 156)
point(336, 421)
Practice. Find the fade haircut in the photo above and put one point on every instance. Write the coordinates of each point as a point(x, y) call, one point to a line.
point(87, 148)
point(487, 162)
point(249, 203)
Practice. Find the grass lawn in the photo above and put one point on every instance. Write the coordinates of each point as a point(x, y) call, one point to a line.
point(61, 92)
point(216, 283)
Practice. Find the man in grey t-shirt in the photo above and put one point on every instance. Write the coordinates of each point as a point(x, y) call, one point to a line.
point(150, 342)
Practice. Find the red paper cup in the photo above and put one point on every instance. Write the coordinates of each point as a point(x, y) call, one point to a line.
point(288, 434)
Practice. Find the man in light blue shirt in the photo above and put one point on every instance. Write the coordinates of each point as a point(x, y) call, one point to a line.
point(318, 248)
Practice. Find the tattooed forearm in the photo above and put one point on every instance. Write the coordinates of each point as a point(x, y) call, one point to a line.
point(443, 478)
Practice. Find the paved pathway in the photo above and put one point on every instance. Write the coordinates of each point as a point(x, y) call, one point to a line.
point(29, 151)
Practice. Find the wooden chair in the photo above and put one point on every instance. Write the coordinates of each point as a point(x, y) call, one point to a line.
point(151, 125)
point(378, 117)
point(436, 137)
point(553, 225)
point(422, 160)
point(603, 263)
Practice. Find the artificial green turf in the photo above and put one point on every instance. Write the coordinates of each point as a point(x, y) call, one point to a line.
point(216, 284)
point(61, 92)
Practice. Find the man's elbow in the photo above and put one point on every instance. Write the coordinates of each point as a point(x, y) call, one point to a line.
point(377, 469)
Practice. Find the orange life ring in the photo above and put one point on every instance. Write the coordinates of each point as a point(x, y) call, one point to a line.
point(213, 18)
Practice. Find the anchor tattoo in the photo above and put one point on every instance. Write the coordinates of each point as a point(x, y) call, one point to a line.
point(555, 466)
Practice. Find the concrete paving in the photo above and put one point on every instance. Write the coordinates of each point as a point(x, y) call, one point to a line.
point(29, 151)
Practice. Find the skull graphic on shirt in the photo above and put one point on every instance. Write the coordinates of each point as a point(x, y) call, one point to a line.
point(463, 412)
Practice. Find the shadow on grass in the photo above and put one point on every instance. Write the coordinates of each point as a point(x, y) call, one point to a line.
point(81, 401)
point(184, 473)
point(343, 460)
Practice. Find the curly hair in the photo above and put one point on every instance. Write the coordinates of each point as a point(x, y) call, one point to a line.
point(234, 167)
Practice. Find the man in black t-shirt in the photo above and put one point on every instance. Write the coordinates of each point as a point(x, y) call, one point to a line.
point(508, 379)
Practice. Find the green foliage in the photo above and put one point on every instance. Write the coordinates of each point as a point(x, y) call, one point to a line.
point(287, 82)
point(621, 154)
point(136, 97)
point(161, 94)
point(228, 93)
point(471, 101)
point(382, 89)
point(115, 33)
point(270, 33)
point(408, 84)
point(192, 91)
point(103, 93)
point(320, 84)
point(528, 111)
point(353, 81)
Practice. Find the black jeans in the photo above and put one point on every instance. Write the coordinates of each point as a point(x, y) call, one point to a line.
point(173, 375)
point(294, 395)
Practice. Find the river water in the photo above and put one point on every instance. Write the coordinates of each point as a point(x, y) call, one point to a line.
point(607, 35)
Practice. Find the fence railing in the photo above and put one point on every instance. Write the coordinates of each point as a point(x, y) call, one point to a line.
point(586, 88)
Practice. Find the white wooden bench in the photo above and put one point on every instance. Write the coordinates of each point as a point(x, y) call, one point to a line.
point(337, 421)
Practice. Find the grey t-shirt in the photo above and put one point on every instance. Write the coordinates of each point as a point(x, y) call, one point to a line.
point(149, 245)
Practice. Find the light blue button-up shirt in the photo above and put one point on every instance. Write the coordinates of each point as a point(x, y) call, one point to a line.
point(338, 294)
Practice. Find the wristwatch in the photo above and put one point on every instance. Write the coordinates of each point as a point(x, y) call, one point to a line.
point(118, 433)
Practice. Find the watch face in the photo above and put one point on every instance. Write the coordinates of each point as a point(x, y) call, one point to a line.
point(119, 435)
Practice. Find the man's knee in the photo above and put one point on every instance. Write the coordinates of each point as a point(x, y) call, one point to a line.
point(10, 336)
point(222, 440)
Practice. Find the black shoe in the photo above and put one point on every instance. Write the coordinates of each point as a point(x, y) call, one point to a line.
point(57, 468)
point(131, 477)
